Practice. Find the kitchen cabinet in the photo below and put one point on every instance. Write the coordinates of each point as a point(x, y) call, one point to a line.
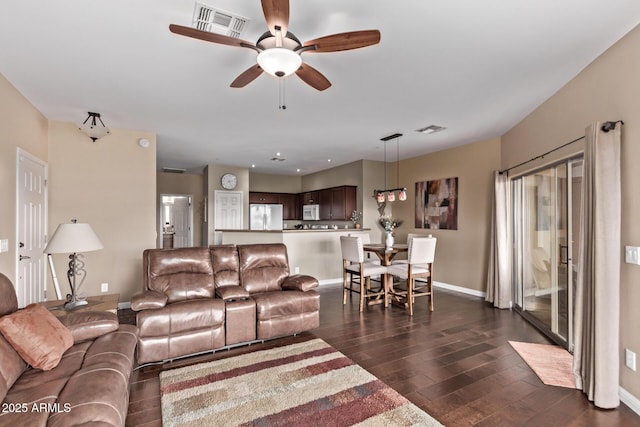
point(260, 197)
point(337, 203)
point(290, 206)
point(310, 198)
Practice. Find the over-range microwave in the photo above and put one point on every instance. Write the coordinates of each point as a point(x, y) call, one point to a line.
point(311, 212)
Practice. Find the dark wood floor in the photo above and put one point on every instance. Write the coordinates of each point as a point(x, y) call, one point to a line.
point(454, 363)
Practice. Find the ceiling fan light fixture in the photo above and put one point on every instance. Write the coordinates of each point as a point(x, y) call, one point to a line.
point(279, 62)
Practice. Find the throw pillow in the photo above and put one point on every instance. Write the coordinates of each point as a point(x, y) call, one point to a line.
point(37, 335)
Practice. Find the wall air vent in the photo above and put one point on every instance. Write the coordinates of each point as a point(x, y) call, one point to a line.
point(278, 159)
point(174, 170)
point(431, 129)
point(218, 21)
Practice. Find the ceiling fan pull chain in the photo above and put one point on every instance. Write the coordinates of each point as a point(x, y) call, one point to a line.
point(281, 94)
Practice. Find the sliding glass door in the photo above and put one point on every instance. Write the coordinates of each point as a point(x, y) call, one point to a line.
point(545, 225)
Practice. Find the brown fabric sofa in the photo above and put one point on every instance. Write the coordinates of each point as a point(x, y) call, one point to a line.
point(202, 299)
point(89, 386)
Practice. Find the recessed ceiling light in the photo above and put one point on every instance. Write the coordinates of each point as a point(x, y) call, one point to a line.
point(328, 160)
point(277, 154)
point(253, 166)
point(298, 170)
point(431, 129)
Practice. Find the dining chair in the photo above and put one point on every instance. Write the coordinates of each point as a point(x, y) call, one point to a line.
point(354, 263)
point(418, 265)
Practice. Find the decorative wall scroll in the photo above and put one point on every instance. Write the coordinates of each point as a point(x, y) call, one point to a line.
point(437, 204)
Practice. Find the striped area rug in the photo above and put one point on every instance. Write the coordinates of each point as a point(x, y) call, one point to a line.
point(304, 384)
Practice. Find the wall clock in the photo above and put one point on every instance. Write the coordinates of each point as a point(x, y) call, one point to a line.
point(229, 181)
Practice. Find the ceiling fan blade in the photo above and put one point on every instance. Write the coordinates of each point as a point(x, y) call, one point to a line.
point(276, 13)
point(249, 75)
point(313, 77)
point(209, 37)
point(344, 41)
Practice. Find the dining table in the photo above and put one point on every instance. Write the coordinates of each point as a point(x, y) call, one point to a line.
point(386, 255)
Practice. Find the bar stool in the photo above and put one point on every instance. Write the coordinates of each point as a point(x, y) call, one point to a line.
point(353, 263)
point(419, 265)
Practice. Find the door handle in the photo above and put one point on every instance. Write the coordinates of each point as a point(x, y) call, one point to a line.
point(24, 257)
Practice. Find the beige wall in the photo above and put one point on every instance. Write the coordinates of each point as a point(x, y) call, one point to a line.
point(608, 89)
point(186, 184)
point(23, 126)
point(275, 183)
point(111, 184)
point(462, 254)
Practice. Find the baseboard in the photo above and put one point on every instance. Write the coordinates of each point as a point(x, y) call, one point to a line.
point(459, 289)
point(436, 284)
point(326, 282)
point(630, 400)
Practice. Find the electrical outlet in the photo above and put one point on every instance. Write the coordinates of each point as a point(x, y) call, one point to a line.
point(632, 255)
point(4, 245)
point(296, 270)
point(630, 359)
point(104, 287)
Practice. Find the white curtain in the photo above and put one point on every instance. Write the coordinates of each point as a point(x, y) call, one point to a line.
point(596, 353)
point(499, 274)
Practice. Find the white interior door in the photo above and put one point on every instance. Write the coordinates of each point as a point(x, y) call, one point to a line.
point(31, 228)
point(181, 215)
point(228, 210)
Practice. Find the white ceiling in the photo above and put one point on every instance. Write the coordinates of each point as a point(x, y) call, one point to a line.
point(475, 67)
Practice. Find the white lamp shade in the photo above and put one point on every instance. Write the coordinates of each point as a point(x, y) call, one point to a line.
point(279, 60)
point(73, 237)
point(94, 130)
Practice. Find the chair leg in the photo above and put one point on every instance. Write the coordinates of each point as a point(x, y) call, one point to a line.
point(430, 294)
point(344, 285)
point(410, 295)
point(362, 293)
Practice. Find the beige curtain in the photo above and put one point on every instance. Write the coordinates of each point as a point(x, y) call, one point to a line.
point(596, 353)
point(499, 274)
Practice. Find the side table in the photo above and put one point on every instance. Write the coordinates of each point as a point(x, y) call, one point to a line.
point(105, 302)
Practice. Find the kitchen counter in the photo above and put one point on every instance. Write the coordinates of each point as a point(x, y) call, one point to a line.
point(314, 252)
point(294, 230)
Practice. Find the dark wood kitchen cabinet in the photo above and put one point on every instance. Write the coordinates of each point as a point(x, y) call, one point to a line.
point(290, 206)
point(310, 198)
point(337, 203)
point(260, 197)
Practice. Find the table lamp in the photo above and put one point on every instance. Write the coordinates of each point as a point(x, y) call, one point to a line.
point(73, 237)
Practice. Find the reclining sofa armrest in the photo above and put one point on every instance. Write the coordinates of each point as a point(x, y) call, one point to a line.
point(89, 325)
point(300, 282)
point(148, 300)
point(231, 293)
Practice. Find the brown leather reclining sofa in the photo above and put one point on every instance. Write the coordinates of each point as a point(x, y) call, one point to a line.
point(88, 386)
point(202, 299)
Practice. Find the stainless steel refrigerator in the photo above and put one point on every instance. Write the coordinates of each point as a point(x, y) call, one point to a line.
point(265, 217)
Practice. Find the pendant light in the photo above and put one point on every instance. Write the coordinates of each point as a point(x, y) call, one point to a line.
point(389, 194)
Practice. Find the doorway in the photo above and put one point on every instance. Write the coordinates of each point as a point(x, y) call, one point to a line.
point(31, 228)
point(546, 209)
point(176, 221)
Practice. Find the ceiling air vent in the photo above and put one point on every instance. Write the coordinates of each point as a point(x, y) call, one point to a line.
point(431, 129)
point(174, 170)
point(218, 21)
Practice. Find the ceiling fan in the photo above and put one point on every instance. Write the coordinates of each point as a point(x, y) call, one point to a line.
point(279, 50)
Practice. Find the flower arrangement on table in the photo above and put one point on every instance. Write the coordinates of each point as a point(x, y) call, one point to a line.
point(389, 224)
point(356, 216)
